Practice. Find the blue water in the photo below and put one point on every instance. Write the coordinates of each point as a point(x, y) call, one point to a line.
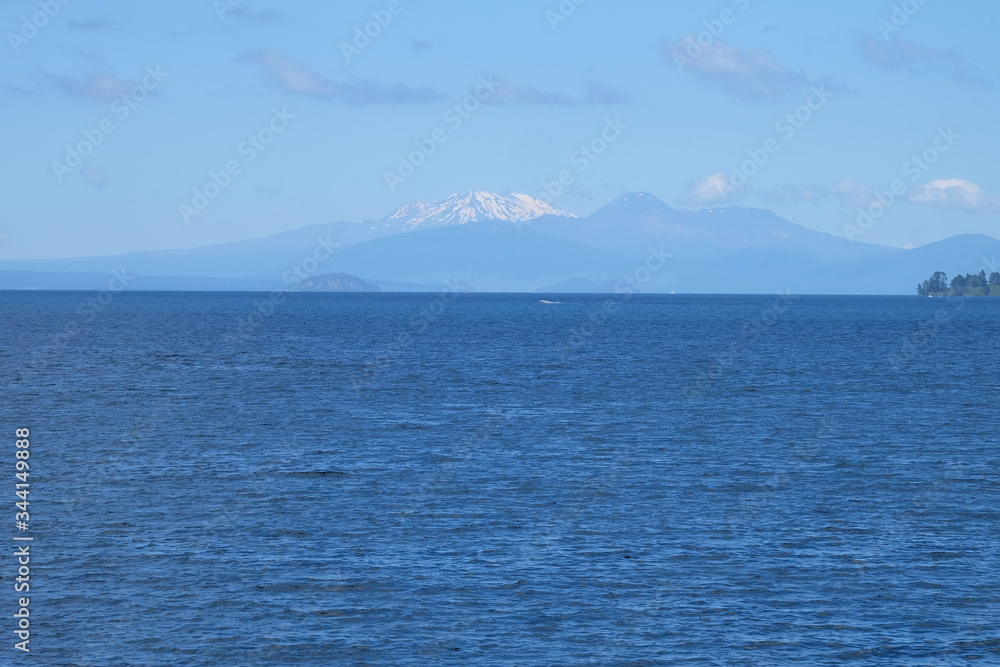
point(489, 480)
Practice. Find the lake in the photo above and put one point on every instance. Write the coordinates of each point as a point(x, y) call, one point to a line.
point(462, 479)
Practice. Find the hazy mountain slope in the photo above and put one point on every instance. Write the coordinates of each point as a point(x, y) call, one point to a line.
point(483, 255)
point(495, 242)
point(637, 219)
point(901, 272)
point(272, 256)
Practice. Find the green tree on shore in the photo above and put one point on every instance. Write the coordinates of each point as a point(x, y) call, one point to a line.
point(967, 285)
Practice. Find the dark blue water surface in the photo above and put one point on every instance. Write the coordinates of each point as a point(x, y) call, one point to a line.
point(490, 480)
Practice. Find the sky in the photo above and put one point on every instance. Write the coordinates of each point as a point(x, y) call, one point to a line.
point(161, 125)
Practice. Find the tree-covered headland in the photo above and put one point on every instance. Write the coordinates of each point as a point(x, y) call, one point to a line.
point(967, 285)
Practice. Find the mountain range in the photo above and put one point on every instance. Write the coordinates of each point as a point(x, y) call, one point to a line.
point(515, 243)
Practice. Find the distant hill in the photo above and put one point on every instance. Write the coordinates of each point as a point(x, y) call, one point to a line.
point(335, 282)
point(900, 272)
point(636, 220)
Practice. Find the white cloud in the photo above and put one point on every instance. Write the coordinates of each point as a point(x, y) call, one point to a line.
point(508, 92)
point(955, 194)
point(293, 77)
point(751, 75)
point(854, 194)
point(714, 189)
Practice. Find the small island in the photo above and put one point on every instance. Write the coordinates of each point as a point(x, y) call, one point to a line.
point(967, 285)
point(335, 282)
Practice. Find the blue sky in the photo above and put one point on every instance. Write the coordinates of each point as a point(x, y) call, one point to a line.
point(208, 121)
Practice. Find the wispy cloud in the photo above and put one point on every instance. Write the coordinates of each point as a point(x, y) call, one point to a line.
point(595, 94)
point(293, 77)
point(752, 75)
point(102, 23)
point(714, 189)
point(848, 193)
point(899, 54)
point(97, 87)
point(955, 194)
point(421, 45)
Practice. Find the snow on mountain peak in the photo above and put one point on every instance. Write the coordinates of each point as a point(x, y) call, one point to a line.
point(459, 209)
point(407, 210)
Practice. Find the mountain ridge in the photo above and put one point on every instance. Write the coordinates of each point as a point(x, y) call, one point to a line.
point(518, 243)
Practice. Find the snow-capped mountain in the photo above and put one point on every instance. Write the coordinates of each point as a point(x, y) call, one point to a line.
point(479, 239)
point(459, 209)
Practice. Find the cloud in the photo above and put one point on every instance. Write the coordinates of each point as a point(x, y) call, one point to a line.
point(508, 92)
point(749, 75)
point(96, 87)
point(421, 45)
point(293, 77)
point(714, 189)
point(899, 54)
point(955, 194)
point(851, 194)
point(92, 24)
